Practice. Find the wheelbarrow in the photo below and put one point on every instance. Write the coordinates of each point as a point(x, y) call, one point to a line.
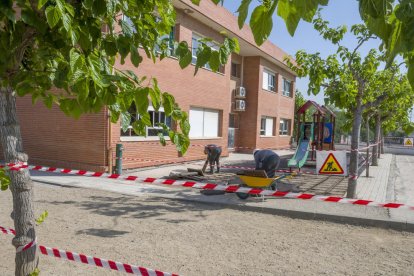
point(259, 179)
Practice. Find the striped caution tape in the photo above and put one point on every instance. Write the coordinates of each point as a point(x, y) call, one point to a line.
point(81, 258)
point(224, 188)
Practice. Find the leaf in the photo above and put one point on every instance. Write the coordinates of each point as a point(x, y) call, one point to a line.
point(168, 103)
point(292, 11)
point(196, 2)
point(6, 7)
point(155, 95)
point(67, 21)
point(261, 24)
point(203, 57)
point(162, 138)
point(243, 10)
point(53, 16)
point(41, 3)
point(184, 54)
point(141, 100)
point(42, 218)
point(126, 27)
point(139, 128)
point(125, 120)
point(4, 180)
point(214, 61)
point(136, 58)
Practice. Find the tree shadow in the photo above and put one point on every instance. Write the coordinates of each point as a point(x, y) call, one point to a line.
point(105, 233)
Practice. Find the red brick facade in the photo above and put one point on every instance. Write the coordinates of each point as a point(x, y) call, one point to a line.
point(52, 139)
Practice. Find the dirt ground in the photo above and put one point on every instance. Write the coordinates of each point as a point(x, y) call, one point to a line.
point(198, 239)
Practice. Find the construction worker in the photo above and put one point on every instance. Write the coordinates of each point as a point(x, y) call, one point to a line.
point(213, 156)
point(266, 160)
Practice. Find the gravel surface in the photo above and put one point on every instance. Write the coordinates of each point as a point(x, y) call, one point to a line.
point(199, 239)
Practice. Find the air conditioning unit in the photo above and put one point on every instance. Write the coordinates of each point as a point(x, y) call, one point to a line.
point(240, 105)
point(240, 92)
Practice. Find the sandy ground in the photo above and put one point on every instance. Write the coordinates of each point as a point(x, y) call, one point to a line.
point(199, 239)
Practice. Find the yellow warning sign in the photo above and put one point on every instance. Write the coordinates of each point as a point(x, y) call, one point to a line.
point(331, 166)
point(408, 142)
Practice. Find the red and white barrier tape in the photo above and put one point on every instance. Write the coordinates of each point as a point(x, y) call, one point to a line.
point(26, 246)
point(224, 188)
point(252, 168)
point(81, 258)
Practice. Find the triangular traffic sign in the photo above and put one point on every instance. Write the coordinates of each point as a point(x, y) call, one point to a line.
point(408, 142)
point(331, 166)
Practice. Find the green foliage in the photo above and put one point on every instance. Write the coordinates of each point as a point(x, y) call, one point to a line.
point(394, 24)
point(42, 218)
point(4, 180)
point(36, 272)
point(73, 45)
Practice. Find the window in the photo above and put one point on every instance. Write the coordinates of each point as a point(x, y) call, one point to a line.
point(194, 46)
point(204, 122)
point(287, 88)
point(156, 118)
point(269, 80)
point(266, 126)
point(235, 70)
point(284, 127)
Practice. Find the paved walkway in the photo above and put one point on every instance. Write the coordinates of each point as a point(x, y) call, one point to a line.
point(375, 186)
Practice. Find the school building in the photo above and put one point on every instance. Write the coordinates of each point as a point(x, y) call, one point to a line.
point(248, 104)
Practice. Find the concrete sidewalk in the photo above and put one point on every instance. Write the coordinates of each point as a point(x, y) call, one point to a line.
point(306, 209)
point(375, 186)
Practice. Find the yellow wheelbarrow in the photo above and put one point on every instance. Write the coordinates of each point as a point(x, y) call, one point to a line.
point(259, 179)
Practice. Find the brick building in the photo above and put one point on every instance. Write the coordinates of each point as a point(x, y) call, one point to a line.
point(249, 104)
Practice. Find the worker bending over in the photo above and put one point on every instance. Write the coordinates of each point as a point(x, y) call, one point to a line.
point(266, 160)
point(213, 156)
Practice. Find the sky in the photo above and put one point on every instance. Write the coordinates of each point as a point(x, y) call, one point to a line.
point(338, 12)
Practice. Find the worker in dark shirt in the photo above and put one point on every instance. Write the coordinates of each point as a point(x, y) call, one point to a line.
point(266, 160)
point(213, 156)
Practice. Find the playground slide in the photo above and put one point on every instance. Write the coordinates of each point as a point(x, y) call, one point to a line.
point(301, 154)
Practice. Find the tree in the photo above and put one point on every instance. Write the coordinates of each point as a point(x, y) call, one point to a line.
point(299, 101)
point(349, 81)
point(56, 52)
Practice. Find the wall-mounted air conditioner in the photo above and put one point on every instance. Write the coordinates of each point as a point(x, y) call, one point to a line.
point(240, 105)
point(240, 92)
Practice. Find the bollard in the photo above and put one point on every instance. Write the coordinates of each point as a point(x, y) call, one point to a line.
point(118, 162)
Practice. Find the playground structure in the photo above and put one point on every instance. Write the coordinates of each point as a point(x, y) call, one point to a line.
point(315, 135)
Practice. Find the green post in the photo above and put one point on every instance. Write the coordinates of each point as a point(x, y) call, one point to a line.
point(118, 162)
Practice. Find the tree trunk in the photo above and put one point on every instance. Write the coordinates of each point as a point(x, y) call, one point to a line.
point(382, 140)
point(21, 185)
point(375, 150)
point(367, 161)
point(353, 165)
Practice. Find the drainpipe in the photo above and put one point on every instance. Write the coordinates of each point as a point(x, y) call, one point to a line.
point(241, 72)
point(109, 146)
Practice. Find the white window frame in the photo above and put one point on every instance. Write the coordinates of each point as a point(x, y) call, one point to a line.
point(267, 80)
point(284, 127)
point(267, 126)
point(133, 137)
point(203, 123)
point(287, 93)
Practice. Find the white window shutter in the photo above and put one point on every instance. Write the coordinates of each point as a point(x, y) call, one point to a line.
point(269, 127)
point(211, 122)
point(196, 122)
point(265, 84)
